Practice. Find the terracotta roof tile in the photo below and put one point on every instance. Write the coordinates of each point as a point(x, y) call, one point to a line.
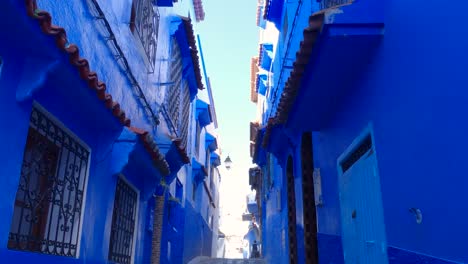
point(199, 11)
point(182, 150)
point(151, 147)
point(267, 8)
point(194, 50)
point(254, 127)
point(292, 85)
point(253, 79)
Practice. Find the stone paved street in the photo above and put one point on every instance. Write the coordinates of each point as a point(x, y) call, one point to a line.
point(205, 260)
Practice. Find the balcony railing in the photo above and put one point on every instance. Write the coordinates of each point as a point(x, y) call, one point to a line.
point(145, 21)
point(325, 4)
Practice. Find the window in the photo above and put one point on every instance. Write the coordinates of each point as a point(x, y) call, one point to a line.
point(285, 25)
point(324, 4)
point(123, 223)
point(178, 97)
point(212, 178)
point(194, 190)
point(179, 190)
point(144, 22)
point(207, 157)
point(363, 148)
point(197, 138)
point(49, 200)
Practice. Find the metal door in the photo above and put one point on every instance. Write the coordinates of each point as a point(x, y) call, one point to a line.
point(363, 228)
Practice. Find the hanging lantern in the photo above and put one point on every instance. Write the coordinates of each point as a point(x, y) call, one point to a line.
point(228, 162)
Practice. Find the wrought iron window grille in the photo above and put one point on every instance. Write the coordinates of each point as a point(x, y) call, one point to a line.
point(144, 21)
point(177, 103)
point(123, 223)
point(49, 200)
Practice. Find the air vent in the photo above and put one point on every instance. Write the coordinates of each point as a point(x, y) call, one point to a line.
point(354, 156)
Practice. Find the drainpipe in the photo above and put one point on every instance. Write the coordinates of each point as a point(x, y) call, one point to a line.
point(157, 228)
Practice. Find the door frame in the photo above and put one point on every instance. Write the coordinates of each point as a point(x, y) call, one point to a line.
point(356, 143)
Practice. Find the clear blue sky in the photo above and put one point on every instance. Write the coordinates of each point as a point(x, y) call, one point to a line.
point(229, 38)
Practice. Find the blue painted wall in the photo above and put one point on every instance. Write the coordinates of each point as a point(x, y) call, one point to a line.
point(34, 71)
point(411, 91)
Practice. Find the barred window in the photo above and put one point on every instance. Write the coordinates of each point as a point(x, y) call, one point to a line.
point(324, 4)
point(178, 96)
point(197, 138)
point(212, 179)
point(144, 22)
point(49, 200)
point(123, 223)
point(194, 190)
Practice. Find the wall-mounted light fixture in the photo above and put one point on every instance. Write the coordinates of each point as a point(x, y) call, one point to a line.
point(417, 214)
point(228, 163)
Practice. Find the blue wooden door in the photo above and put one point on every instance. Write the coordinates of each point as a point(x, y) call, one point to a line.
point(363, 228)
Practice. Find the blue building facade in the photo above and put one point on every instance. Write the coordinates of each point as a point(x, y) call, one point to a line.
point(359, 137)
point(109, 134)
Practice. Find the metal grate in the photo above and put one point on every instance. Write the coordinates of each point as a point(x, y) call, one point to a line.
point(291, 212)
point(308, 199)
point(123, 223)
point(178, 97)
point(145, 21)
point(173, 93)
point(49, 199)
point(362, 149)
point(324, 4)
point(197, 138)
point(185, 114)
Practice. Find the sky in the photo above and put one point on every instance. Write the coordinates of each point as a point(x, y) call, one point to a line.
point(229, 38)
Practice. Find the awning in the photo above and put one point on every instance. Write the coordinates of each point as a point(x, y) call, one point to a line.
point(274, 11)
point(215, 159)
point(199, 172)
point(203, 113)
point(262, 80)
point(261, 22)
point(210, 141)
point(265, 56)
point(185, 36)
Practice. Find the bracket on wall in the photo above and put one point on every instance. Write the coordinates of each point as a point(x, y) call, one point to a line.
point(318, 188)
point(417, 213)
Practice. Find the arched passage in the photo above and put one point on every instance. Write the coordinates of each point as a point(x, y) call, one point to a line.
point(308, 196)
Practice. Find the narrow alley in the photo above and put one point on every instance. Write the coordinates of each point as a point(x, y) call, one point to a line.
point(230, 132)
point(206, 260)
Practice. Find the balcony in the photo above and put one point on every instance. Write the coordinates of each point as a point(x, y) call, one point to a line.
point(340, 40)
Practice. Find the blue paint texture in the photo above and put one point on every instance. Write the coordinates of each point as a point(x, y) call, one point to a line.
point(35, 72)
point(395, 65)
